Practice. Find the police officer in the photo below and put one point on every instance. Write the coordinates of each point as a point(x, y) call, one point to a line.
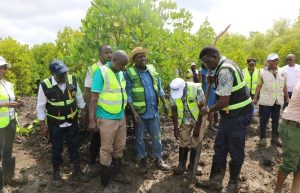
point(235, 106)
point(59, 98)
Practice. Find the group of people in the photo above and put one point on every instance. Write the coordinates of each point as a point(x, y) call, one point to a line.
point(110, 86)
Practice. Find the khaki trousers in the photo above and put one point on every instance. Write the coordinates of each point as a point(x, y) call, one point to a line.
point(186, 138)
point(113, 139)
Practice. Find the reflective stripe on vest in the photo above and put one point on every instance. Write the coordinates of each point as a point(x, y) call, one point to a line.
point(61, 103)
point(4, 111)
point(138, 92)
point(113, 96)
point(251, 80)
point(191, 103)
point(240, 84)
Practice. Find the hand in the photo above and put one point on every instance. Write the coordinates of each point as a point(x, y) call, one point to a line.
point(287, 100)
point(204, 110)
point(12, 104)
point(20, 102)
point(45, 129)
point(254, 100)
point(136, 118)
point(176, 133)
point(92, 125)
point(196, 131)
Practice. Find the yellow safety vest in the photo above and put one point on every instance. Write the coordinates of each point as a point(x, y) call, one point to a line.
point(251, 80)
point(113, 97)
point(191, 102)
point(4, 111)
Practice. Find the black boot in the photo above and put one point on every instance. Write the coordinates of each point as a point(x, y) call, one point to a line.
point(216, 177)
point(78, 174)
point(56, 181)
point(118, 174)
point(2, 188)
point(180, 169)
point(105, 175)
point(192, 161)
point(9, 169)
point(234, 181)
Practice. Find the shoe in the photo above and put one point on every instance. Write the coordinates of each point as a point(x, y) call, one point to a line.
point(78, 174)
point(118, 174)
point(92, 170)
point(192, 161)
point(180, 169)
point(105, 175)
point(262, 142)
point(56, 178)
point(234, 179)
point(216, 177)
point(276, 142)
point(2, 188)
point(143, 166)
point(161, 165)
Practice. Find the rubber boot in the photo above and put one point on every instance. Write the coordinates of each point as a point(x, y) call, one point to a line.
point(56, 181)
point(192, 161)
point(118, 174)
point(216, 177)
point(180, 169)
point(105, 175)
point(234, 180)
point(9, 169)
point(2, 188)
point(78, 174)
point(143, 166)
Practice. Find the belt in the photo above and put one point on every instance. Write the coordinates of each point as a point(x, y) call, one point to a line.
point(293, 123)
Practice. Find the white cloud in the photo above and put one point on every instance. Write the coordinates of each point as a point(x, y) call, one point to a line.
point(37, 21)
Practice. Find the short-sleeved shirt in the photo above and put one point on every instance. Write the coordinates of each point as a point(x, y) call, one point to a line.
point(88, 77)
point(187, 116)
point(225, 82)
point(97, 86)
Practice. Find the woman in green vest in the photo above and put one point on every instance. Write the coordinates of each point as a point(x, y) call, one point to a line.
point(7, 125)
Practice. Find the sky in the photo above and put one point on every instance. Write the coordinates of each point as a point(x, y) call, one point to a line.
point(37, 21)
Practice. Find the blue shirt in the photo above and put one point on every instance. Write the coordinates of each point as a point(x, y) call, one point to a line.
point(97, 86)
point(150, 94)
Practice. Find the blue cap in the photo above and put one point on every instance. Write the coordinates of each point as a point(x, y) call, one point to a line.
point(58, 67)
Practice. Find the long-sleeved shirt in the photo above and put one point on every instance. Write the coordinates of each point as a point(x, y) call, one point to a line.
point(150, 94)
point(42, 100)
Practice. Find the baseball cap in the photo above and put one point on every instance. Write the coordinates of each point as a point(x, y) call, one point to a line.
point(177, 86)
point(193, 64)
point(3, 62)
point(58, 67)
point(272, 56)
point(251, 61)
point(137, 50)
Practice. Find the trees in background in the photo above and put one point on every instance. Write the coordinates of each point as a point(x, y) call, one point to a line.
point(158, 26)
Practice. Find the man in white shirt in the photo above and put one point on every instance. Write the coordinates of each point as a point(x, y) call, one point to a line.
point(59, 98)
point(293, 74)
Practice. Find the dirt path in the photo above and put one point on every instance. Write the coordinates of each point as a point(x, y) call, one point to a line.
point(33, 167)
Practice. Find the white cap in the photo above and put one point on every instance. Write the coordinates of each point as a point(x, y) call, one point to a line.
point(272, 56)
point(193, 64)
point(177, 86)
point(3, 62)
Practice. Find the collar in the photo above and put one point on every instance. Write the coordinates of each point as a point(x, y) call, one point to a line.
point(54, 81)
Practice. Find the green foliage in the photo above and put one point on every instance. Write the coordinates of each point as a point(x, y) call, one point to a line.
point(24, 68)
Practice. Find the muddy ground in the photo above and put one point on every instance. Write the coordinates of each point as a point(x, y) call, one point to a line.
point(34, 170)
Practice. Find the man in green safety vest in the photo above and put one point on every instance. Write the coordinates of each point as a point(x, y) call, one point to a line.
point(59, 98)
point(251, 76)
point(143, 87)
point(236, 109)
point(105, 53)
point(107, 104)
point(186, 98)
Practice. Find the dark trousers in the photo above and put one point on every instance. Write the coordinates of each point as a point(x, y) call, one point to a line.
point(285, 103)
point(264, 114)
point(231, 139)
point(94, 146)
point(7, 137)
point(58, 134)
